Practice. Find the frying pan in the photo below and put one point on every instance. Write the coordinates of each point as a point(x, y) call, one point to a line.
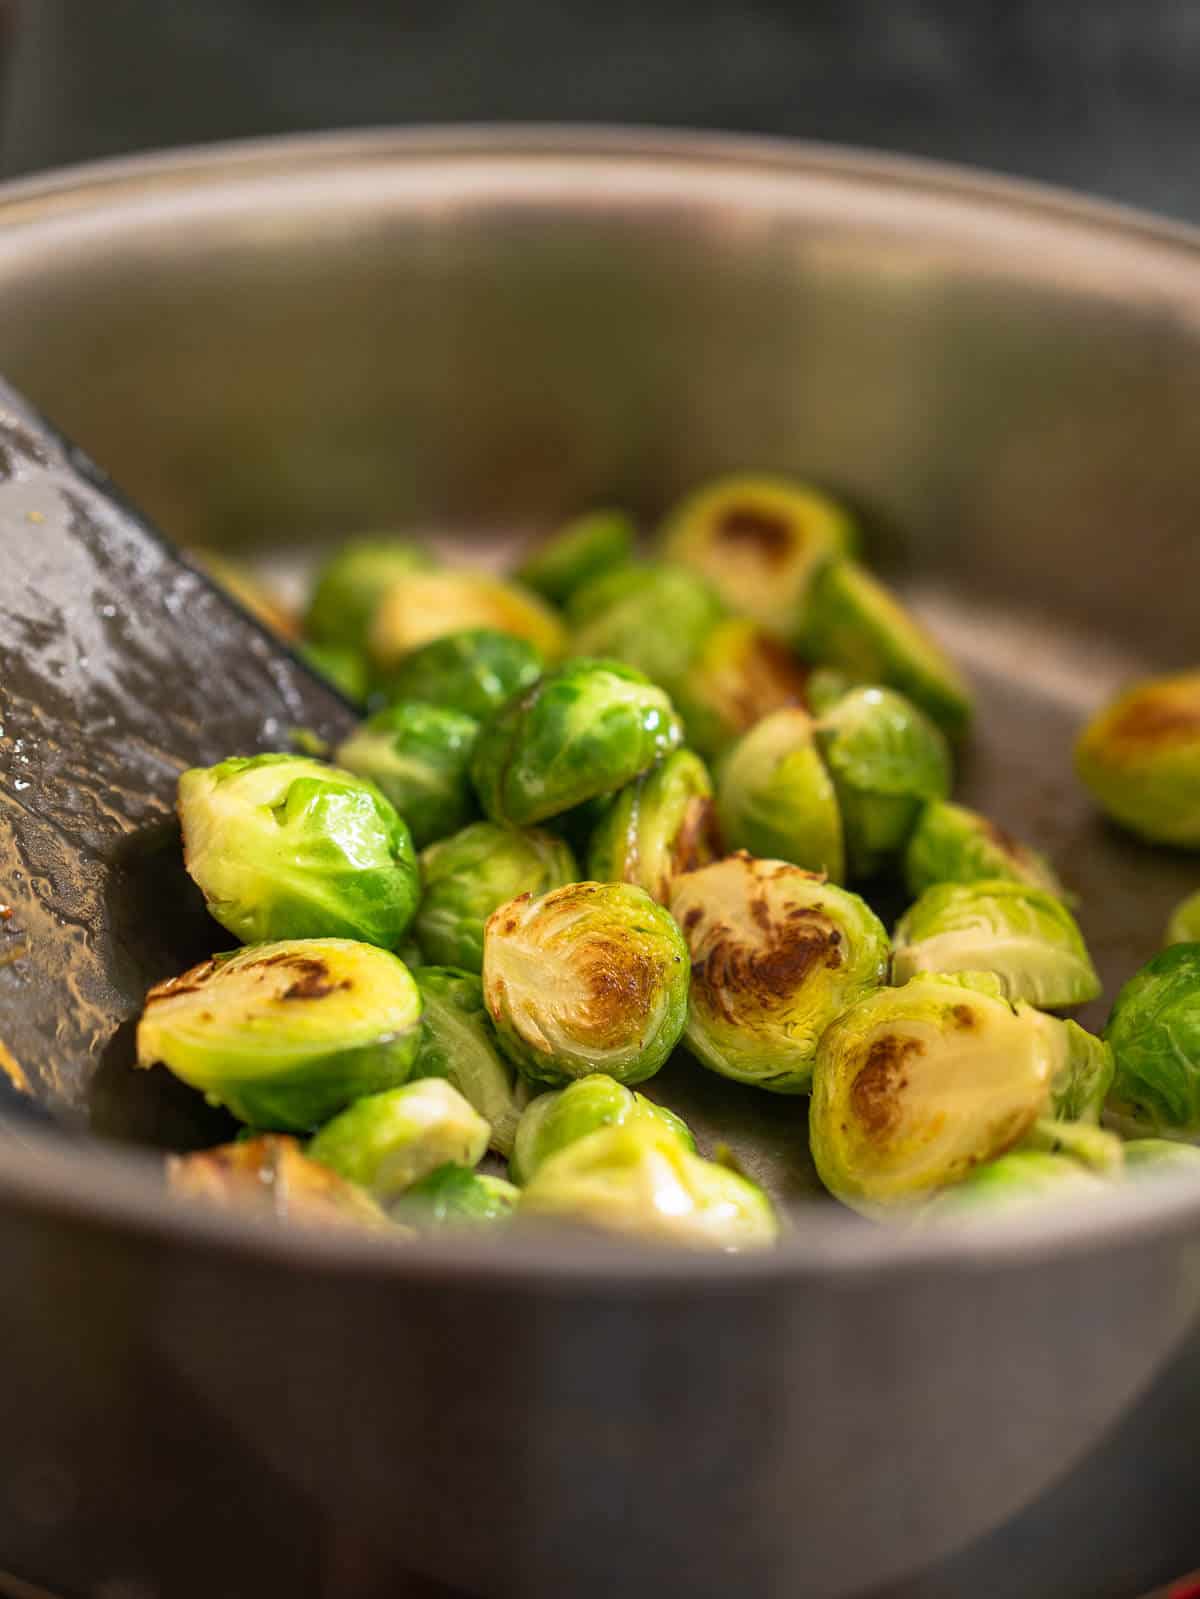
point(476, 332)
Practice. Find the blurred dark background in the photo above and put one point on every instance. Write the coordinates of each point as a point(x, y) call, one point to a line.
point(1103, 95)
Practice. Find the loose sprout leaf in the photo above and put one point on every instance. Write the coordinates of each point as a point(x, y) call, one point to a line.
point(588, 546)
point(457, 1043)
point(1140, 758)
point(775, 798)
point(660, 825)
point(554, 1120)
point(418, 757)
point(952, 844)
point(423, 606)
point(387, 1142)
point(1154, 1031)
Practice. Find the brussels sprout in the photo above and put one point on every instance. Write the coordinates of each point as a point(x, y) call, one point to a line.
point(657, 625)
point(452, 1196)
point(269, 1174)
point(283, 846)
point(339, 664)
point(1184, 926)
point(637, 1179)
point(351, 583)
point(552, 1121)
point(1022, 1180)
point(1154, 1031)
point(777, 953)
point(915, 1086)
point(469, 874)
point(854, 624)
point(825, 687)
point(284, 1035)
point(387, 1142)
point(473, 671)
point(588, 978)
point(610, 588)
point(588, 728)
point(427, 605)
point(759, 541)
point(738, 675)
point(952, 844)
point(661, 824)
point(589, 546)
point(1140, 757)
point(249, 590)
point(776, 799)
point(1083, 1073)
point(1160, 1157)
point(457, 1043)
point(886, 759)
point(417, 756)
point(1024, 935)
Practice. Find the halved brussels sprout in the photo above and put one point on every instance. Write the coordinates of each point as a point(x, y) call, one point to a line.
point(585, 548)
point(637, 1179)
point(387, 1142)
point(1022, 1180)
point(418, 757)
point(351, 583)
point(777, 953)
point(339, 664)
point(552, 1121)
point(1184, 926)
point(284, 1035)
point(1154, 1031)
point(249, 590)
point(1161, 1157)
point(854, 624)
point(427, 605)
point(270, 1174)
point(886, 759)
point(913, 1087)
point(739, 674)
point(474, 671)
point(457, 1043)
point(588, 728)
point(469, 874)
point(588, 978)
point(952, 844)
point(1140, 757)
point(661, 824)
point(452, 1196)
point(656, 624)
point(1027, 937)
point(760, 541)
point(776, 799)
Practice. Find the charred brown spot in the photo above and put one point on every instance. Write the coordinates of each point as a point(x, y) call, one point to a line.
point(874, 1097)
point(766, 534)
point(1002, 839)
point(965, 1018)
point(1157, 718)
point(189, 982)
point(698, 840)
point(692, 919)
point(760, 912)
point(734, 973)
point(510, 926)
point(621, 982)
point(313, 979)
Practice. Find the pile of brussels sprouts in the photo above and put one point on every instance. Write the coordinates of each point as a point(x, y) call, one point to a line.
point(609, 808)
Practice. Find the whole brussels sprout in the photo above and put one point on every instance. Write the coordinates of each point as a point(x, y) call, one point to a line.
point(1154, 1031)
point(776, 799)
point(608, 589)
point(269, 1174)
point(854, 624)
point(339, 664)
point(777, 953)
point(457, 1043)
point(387, 1142)
point(639, 1180)
point(1161, 1157)
point(1022, 934)
point(738, 675)
point(469, 874)
point(1184, 926)
point(913, 1087)
point(418, 757)
point(588, 978)
point(554, 1120)
point(351, 583)
point(284, 1035)
point(951, 844)
point(1140, 758)
point(886, 759)
point(1020, 1181)
point(585, 548)
point(656, 625)
point(452, 1196)
point(283, 846)
point(474, 671)
point(661, 824)
point(427, 605)
point(586, 729)
point(759, 541)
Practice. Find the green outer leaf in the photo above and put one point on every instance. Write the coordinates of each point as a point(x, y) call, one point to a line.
point(952, 844)
point(418, 756)
point(661, 824)
point(457, 1043)
point(776, 799)
point(587, 547)
point(1154, 1031)
point(350, 583)
point(474, 671)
